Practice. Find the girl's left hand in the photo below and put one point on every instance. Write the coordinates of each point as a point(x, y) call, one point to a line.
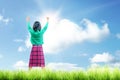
point(47, 19)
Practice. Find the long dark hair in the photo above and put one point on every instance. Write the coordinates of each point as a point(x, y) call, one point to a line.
point(36, 26)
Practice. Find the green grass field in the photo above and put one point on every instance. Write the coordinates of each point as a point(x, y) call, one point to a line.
point(36, 74)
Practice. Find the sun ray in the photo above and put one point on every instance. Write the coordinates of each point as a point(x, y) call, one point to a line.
point(53, 17)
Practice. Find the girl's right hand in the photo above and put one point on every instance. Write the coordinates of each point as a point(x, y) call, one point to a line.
point(27, 18)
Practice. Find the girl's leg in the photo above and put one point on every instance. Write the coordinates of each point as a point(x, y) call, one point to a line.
point(43, 67)
point(30, 68)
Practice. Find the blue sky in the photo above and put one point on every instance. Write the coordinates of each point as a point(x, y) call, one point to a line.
point(81, 33)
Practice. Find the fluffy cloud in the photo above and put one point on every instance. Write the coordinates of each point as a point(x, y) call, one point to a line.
point(18, 40)
point(27, 42)
point(94, 65)
point(1, 56)
point(63, 33)
point(118, 52)
point(117, 64)
point(21, 49)
point(63, 66)
point(4, 20)
point(118, 35)
point(83, 55)
point(66, 33)
point(20, 65)
point(105, 57)
point(112, 66)
point(52, 66)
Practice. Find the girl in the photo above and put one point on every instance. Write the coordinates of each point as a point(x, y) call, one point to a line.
point(37, 55)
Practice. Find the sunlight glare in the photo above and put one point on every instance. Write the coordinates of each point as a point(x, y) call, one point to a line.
point(53, 17)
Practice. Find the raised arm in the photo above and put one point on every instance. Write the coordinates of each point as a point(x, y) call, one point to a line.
point(47, 19)
point(46, 26)
point(28, 24)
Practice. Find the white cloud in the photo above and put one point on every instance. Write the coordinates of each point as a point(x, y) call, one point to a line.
point(27, 42)
point(117, 64)
point(80, 55)
point(1, 56)
point(118, 35)
point(65, 33)
point(84, 54)
point(63, 66)
point(20, 65)
point(105, 57)
point(1, 17)
point(94, 65)
point(4, 20)
point(52, 66)
point(118, 52)
point(18, 40)
point(21, 49)
point(62, 33)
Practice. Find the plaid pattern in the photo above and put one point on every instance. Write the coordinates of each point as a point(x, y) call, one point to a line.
point(37, 57)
